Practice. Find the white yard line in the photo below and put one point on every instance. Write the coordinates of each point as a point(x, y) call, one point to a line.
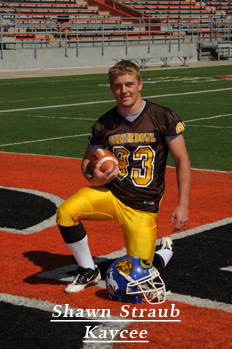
point(51, 117)
point(43, 140)
point(210, 126)
point(208, 118)
point(190, 93)
point(110, 101)
point(98, 102)
point(55, 106)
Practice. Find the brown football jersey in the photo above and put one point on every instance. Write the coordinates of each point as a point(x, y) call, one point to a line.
point(142, 151)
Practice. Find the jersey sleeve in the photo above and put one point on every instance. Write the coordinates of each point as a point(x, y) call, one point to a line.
point(99, 134)
point(174, 126)
point(96, 137)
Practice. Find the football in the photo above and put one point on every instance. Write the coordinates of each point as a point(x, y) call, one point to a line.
point(105, 157)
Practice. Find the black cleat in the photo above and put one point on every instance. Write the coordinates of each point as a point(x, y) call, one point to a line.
point(83, 279)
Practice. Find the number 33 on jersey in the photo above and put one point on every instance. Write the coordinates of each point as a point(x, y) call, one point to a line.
point(139, 146)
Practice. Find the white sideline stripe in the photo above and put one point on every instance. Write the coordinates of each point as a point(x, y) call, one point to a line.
point(110, 101)
point(27, 302)
point(227, 269)
point(201, 228)
point(43, 140)
point(48, 156)
point(205, 303)
point(205, 169)
point(65, 157)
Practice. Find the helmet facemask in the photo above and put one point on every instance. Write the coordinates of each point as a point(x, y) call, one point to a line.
point(151, 287)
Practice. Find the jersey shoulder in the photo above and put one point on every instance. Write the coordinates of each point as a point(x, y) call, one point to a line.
point(167, 119)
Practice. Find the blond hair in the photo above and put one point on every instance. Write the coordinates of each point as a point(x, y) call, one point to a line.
point(124, 67)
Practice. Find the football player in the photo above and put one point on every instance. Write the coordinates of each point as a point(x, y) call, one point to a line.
point(140, 133)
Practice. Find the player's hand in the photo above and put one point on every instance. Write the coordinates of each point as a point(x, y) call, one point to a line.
point(180, 214)
point(100, 178)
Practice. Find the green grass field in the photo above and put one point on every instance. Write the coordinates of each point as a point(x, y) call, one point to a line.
point(54, 115)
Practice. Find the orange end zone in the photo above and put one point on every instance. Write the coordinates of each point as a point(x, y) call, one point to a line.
point(24, 256)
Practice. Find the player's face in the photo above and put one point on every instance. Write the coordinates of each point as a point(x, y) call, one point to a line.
point(126, 90)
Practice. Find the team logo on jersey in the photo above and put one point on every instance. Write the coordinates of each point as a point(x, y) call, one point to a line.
point(126, 266)
point(132, 138)
point(180, 127)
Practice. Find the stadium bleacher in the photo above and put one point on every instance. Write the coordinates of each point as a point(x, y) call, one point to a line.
point(177, 10)
point(69, 12)
point(47, 22)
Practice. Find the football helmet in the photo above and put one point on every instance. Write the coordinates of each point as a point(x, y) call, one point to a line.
point(133, 279)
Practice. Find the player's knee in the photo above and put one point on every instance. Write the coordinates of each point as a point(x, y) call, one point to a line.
point(60, 212)
point(64, 215)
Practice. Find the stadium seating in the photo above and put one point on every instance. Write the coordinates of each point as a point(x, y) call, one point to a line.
point(57, 18)
point(172, 10)
point(46, 21)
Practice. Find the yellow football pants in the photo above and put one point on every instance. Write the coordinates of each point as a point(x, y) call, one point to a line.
point(99, 204)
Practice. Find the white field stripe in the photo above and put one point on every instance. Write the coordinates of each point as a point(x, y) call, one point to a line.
point(88, 119)
point(210, 117)
point(227, 268)
point(202, 228)
point(43, 140)
point(209, 126)
point(189, 93)
point(199, 169)
point(205, 303)
point(52, 117)
point(46, 81)
point(56, 106)
point(110, 101)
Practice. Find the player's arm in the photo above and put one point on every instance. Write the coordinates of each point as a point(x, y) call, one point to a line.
point(183, 172)
point(96, 177)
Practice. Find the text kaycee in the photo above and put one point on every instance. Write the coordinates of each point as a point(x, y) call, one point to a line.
point(127, 312)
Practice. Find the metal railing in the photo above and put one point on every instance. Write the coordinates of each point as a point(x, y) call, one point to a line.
point(5, 12)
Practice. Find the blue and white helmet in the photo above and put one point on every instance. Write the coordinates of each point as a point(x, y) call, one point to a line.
point(133, 279)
